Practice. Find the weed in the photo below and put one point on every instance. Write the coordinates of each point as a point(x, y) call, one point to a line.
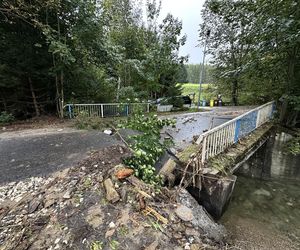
point(123, 230)
point(155, 225)
point(6, 117)
point(293, 146)
point(96, 245)
point(114, 244)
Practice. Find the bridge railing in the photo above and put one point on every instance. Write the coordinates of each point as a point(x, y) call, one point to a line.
point(105, 109)
point(216, 140)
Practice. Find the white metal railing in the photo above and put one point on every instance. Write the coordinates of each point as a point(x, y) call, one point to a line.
point(216, 140)
point(105, 109)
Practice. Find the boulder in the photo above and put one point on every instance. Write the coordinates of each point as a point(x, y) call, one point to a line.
point(111, 193)
point(200, 218)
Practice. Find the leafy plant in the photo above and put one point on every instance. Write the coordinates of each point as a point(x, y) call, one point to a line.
point(293, 145)
point(96, 245)
point(6, 117)
point(114, 245)
point(147, 147)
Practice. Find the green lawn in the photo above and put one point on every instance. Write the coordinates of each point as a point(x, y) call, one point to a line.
point(209, 91)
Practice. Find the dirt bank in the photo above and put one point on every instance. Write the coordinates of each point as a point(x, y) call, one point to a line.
point(70, 210)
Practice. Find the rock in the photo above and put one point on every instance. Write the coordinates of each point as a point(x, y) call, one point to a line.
point(107, 131)
point(110, 233)
point(67, 195)
point(124, 194)
point(196, 247)
point(192, 232)
point(184, 213)
point(33, 205)
point(263, 192)
point(201, 219)
point(111, 194)
point(124, 173)
point(112, 225)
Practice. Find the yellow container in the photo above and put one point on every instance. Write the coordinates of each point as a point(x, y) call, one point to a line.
point(211, 103)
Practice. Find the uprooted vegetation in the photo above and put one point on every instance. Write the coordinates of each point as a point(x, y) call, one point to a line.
point(92, 206)
point(146, 146)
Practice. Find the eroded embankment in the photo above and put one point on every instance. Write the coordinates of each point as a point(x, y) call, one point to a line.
point(88, 207)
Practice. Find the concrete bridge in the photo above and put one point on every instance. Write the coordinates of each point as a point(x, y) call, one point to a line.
point(206, 167)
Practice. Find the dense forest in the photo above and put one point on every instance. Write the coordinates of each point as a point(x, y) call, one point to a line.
point(59, 51)
point(255, 51)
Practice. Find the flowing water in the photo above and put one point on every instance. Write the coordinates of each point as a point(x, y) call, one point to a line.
point(264, 212)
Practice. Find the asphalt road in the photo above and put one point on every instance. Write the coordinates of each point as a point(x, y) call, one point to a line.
point(26, 154)
point(39, 152)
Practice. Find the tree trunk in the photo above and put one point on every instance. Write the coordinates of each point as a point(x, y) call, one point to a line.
point(35, 104)
point(4, 102)
point(234, 94)
point(61, 94)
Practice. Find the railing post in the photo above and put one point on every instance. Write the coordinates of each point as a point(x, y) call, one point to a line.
point(148, 107)
point(203, 156)
point(70, 111)
point(237, 130)
point(101, 108)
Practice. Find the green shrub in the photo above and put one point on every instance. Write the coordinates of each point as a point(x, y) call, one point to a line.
point(6, 117)
point(84, 121)
point(293, 145)
point(147, 147)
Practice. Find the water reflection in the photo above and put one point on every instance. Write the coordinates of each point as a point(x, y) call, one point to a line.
point(267, 192)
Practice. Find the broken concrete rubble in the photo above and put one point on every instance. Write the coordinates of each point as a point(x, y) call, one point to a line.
point(111, 194)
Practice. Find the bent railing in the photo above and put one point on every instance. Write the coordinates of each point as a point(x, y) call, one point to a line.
point(216, 140)
point(105, 109)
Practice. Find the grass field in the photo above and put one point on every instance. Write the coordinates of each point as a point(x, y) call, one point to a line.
point(209, 91)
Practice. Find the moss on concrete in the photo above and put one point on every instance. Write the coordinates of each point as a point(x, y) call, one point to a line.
point(227, 160)
point(184, 156)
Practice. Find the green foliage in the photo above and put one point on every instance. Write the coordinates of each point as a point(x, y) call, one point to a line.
point(6, 117)
point(84, 121)
point(114, 245)
point(293, 145)
point(96, 245)
point(146, 146)
point(209, 91)
point(193, 73)
point(254, 48)
point(83, 51)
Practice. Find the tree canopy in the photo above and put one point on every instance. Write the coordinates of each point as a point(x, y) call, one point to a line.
point(255, 47)
point(59, 51)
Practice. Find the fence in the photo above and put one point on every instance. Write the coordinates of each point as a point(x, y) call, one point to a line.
point(105, 109)
point(219, 138)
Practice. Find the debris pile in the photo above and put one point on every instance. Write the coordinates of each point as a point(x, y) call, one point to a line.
point(99, 204)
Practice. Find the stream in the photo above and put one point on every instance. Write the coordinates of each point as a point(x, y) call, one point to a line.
point(264, 212)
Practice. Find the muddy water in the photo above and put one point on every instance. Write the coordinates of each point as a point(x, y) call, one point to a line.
point(265, 209)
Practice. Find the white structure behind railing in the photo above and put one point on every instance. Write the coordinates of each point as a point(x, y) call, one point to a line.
point(216, 140)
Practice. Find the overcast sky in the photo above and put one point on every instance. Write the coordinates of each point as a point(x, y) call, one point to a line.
point(188, 11)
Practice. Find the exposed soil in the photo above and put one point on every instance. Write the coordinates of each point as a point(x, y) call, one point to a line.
point(70, 210)
point(37, 122)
